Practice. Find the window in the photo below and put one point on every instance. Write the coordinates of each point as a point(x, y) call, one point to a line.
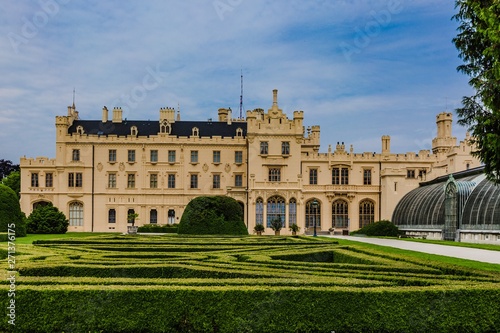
point(131, 180)
point(238, 180)
point(76, 214)
point(239, 132)
point(313, 214)
point(171, 180)
point(366, 213)
point(133, 131)
point(195, 131)
point(34, 179)
point(422, 173)
point(313, 176)
point(153, 216)
point(367, 177)
point(171, 216)
point(194, 156)
point(340, 176)
point(49, 179)
point(275, 210)
point(264, 146)
point(131, 156)
point(216, 156)
point(259, 211)
point(153, 156)
point(194, 181)
point(131, 216)
point(238, 157)
point(112, 155)
point(285, 148)
point(76, 155)
point(410, 173)
point(111, 216)
point(340, 214)
point(153, 180)
point(292, 212)
point(75, 179)
point(274, 174)
point(112, 180)
point(216, 181)
point(171, 156)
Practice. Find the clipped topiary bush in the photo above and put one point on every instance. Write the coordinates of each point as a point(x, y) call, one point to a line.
point(159, 228)
point(11, 216)
point(47, 220)
point(380, 228)
point(213, 215)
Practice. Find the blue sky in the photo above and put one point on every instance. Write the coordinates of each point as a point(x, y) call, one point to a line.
point(360, 69)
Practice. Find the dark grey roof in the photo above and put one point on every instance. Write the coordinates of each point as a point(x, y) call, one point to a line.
point(149, 127)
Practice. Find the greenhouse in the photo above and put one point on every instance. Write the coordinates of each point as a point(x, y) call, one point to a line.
point(463, 206)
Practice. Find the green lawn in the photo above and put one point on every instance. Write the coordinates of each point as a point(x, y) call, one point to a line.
point(32, 237)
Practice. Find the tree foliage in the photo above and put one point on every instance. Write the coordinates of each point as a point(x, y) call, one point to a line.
point(478, 43)
point(213, 215)
point(13, 180)
point(10, 212)
point(380, 228)
point(47, 219)
point(6, 167)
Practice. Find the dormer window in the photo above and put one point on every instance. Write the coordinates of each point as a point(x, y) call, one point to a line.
point(79, 130)
point(239, 132)
point(196, 131)
point(133, 131)
point(165, 127)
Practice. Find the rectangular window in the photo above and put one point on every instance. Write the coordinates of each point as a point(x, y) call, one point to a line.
point(216, 156)
point(264, 147)
point(112, 180)
point(194, 156)
point(154, 156)
point(238, 157)
point(238, 180)
point(131, 180)
point(49, 179)
point(313, 176)
point(171, 156)
point(216, 181)
point(75, 179)
point(422, 173)
point(71, 179)
point(344, 176)
point(274, 174)
point(367, 177)
point(410, 173)
point(153, 216)
point(335, 176)
point(171, 180)
point(34, 179)
point(194, 181)
point(76, 155)
point(131, 156)
point(285, 148)
point(112, 216)
point(112, 155)
point(153, 180)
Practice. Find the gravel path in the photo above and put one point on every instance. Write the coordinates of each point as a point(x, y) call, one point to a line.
point(488, 256)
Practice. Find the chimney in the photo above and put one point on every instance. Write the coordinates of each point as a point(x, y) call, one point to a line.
point(275, 97)
point(117, 115)
point(229, 116)
point(104, 114)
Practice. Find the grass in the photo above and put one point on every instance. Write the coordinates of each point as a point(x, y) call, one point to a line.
point(492, 247)
point(32, 237)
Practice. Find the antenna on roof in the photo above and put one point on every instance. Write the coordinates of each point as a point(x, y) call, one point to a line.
point(241, 96)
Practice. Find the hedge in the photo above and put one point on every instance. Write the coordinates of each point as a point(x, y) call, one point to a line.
point(248, 309)
point(159, 228)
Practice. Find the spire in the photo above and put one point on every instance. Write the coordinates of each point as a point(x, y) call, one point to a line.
point(74, 98)
point(178, 112)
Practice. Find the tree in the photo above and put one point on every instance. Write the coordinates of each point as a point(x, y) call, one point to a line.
point(213, 215)
point(11, 216)
point(6, 167)
point(47, 219)
point(13, 180)
point(478, 42)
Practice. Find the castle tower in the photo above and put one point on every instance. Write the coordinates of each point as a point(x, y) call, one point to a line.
point(444, 140)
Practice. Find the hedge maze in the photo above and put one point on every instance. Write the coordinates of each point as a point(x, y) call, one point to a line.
point(243, 284)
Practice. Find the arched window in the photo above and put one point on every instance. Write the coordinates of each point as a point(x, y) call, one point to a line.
point(239, 132)
point(112, 216)
point(259, 211)
point(313, 213)
point(366, 213)
point(76, 214)
point(292, 212)
point(133, 130)
point(153, 216)
point(165, 127)
point(275, 210)
point(196, 131)
point(79, 130)
point(171, 216)
point(242, 205)
point(340, 214)
point(40, 204)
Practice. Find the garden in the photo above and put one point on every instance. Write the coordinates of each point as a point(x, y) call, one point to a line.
point(174, 283)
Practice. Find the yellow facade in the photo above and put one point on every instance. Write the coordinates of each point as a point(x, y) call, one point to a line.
point(105, 169)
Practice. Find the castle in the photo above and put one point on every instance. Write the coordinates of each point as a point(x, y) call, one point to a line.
point(109, 169)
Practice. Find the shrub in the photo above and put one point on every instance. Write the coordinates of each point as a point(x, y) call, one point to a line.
point(13, 180)
point(276, 224)
point(380, 228)
point(159, 228)
point(11, 216)
point(47, 220)
point(213, 215)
